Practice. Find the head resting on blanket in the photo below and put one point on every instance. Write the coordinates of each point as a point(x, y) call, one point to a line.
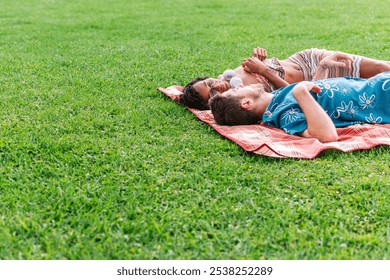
point(242, 106)
point(191, 97)
point(197, 93)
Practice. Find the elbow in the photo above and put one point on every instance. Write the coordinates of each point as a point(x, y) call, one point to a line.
point(329, 137)
point(324, 135)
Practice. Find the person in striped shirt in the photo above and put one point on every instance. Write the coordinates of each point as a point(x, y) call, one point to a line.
point(306, 65)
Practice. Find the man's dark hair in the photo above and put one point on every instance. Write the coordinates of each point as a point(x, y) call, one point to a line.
point(227, 110)
point(191, 98)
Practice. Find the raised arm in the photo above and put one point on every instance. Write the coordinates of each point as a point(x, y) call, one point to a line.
point(260, 53)
point(319, 124)
point(255, 65)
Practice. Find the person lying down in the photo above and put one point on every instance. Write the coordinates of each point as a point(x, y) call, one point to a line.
point(273, 73)
point(308, 109)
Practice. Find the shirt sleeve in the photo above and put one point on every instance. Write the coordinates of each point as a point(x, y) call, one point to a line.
point(293, 122)
point(285, 113)
point(288, 117)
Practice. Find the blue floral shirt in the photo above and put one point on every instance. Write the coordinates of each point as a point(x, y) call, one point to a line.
point(346, 100)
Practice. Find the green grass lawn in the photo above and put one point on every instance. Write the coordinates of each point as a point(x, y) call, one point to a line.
point(95, 163)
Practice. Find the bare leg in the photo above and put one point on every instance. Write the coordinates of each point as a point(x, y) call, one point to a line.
point(371, 67)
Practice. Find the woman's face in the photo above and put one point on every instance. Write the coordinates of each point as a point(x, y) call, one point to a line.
point(210, 87)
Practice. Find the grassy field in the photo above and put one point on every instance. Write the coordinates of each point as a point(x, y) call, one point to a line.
point(95, 163)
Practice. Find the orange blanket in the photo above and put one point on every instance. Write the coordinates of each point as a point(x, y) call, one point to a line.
point(274, 142)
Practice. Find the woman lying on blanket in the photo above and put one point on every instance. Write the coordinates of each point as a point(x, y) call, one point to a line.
point(309, 109)
point(307, 65)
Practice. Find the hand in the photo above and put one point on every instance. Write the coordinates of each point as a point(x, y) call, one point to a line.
point(337, 59)
point(306, 86)
point(259, 53)
point(254, 65)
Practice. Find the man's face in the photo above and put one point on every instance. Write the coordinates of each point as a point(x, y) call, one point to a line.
point(254, 91)
point(210, 87)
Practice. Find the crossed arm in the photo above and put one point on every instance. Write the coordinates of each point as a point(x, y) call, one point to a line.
point(255, 65)
point(319, 124)
point(338, 59)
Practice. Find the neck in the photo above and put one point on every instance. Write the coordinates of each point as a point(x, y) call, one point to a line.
point(262, 103)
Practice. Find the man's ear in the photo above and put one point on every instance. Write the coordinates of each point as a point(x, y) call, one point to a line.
point(246, 103)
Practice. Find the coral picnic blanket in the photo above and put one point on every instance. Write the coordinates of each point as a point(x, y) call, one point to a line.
point(274, 142)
